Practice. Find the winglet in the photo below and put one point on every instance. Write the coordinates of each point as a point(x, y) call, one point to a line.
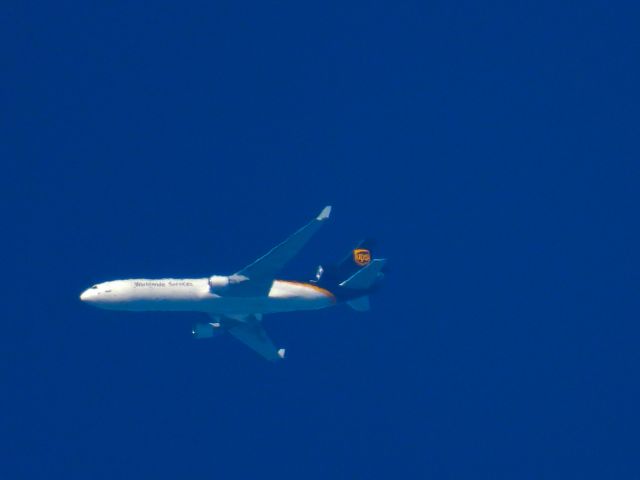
point(324, 214)
point(281, 352)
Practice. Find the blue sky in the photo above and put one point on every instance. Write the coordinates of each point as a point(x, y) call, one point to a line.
point(490, 148)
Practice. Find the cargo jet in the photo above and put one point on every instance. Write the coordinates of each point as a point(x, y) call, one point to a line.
point(237, 303)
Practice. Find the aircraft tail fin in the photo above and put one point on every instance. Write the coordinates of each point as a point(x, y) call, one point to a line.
point(355, 277)
point(354, 261)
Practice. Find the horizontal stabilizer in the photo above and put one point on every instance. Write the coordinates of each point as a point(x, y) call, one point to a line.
point(366, 277)
point(360, 304)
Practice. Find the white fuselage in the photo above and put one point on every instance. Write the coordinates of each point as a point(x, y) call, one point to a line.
point(195, 294)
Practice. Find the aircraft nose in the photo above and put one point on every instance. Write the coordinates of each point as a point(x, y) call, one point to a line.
point(84, 296)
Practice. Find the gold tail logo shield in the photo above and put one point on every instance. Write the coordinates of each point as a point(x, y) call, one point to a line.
point(362, 256)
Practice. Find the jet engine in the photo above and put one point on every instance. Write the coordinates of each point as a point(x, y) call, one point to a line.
point(218, 283)
point(207, 330)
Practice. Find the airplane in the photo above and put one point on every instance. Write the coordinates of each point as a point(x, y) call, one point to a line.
point(237, 303)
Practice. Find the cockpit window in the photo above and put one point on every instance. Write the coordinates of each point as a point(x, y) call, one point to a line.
point(94, 287)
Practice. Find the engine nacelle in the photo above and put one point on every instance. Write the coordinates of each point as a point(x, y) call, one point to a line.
point(218, 283)
point(206, 330)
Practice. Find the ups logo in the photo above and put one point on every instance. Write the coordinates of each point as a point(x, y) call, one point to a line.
point(361, 256)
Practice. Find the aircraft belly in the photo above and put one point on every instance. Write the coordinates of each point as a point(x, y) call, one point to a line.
point(162, 305)
point(225, 305)
point(250, 305)
point(284, 296)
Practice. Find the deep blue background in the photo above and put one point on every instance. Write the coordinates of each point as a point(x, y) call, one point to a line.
point(491, 148)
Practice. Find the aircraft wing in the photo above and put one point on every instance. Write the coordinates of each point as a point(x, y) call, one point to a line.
point(251, 332)
point(258, 276)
